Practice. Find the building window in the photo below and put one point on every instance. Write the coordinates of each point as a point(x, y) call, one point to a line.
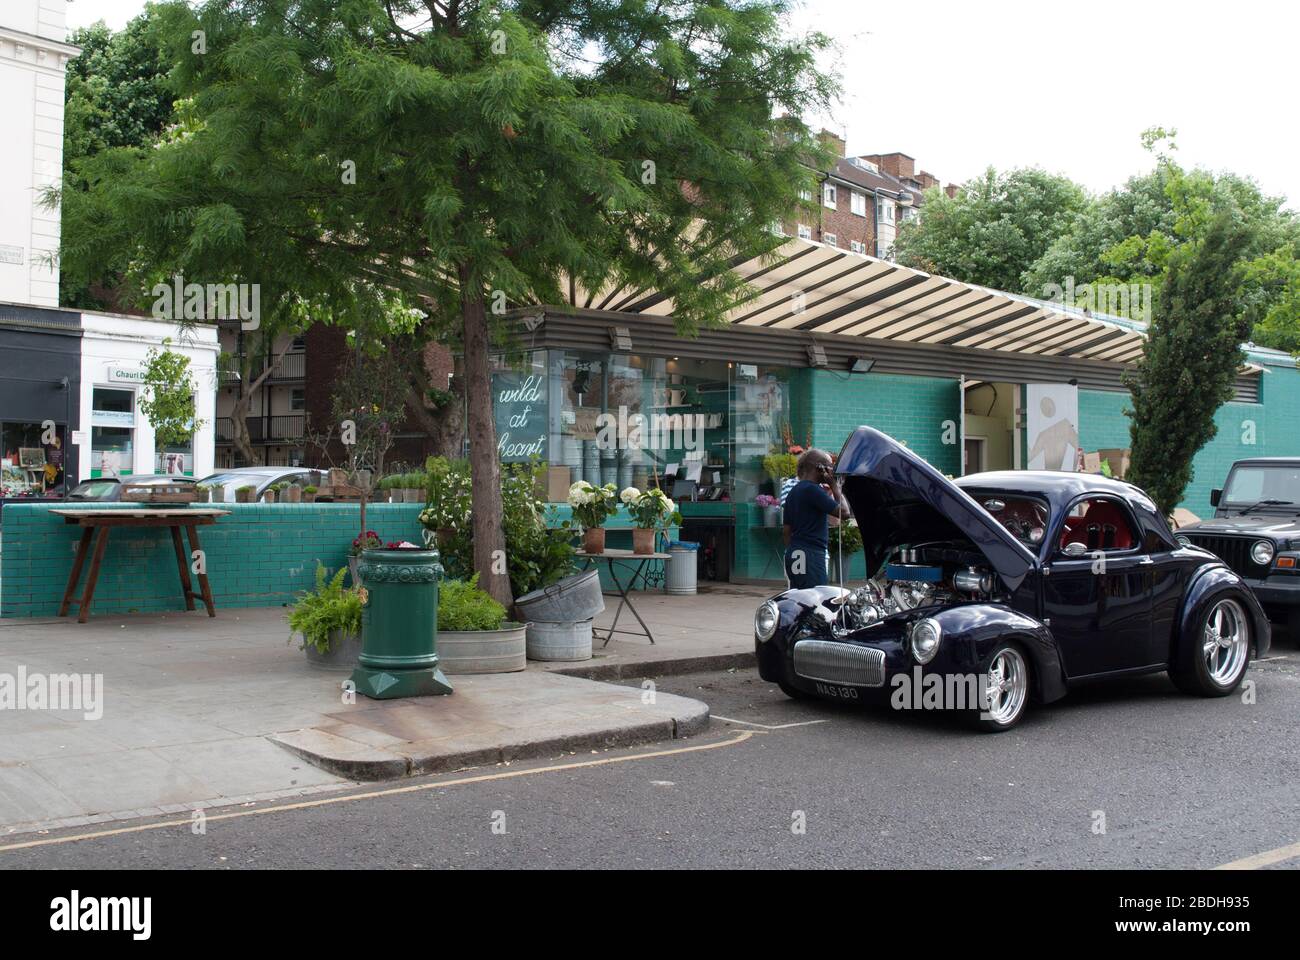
point(830, 239)
point(805, 233)
point(858, 203)
point(857, 246)
point(299, 344)
point(828, 195)
point(806, 195)
point(886, 210)
point(297, 399)
point(884, 251)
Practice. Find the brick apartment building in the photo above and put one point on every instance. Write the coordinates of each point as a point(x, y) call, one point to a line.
point(863, 201)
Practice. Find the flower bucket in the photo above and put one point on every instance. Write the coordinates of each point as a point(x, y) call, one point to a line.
point(593, 540)
point(574, 598)
point(771, 516)
point(342, 654)
point(643, 540)
point(559, 641)
point(483, 651)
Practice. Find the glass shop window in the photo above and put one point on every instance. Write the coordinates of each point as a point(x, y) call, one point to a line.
point(760, 425)
point(32, 459)
point(112, 452)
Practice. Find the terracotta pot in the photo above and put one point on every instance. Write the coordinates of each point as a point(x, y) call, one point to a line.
point(268, 497)
point(308, 497)
point(293, 494)
point(643, 541)
point(593, 540)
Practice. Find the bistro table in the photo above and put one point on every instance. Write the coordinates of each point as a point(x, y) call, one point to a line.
point(636, 563)
point(96, 525)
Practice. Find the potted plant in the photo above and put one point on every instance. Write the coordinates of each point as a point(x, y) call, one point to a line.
point(844, 540)
point(204, 491)
point(366, 541)
point(309, 493)
point(245, 494)
point(592, 505)
point(447, 498)
point(474, 635)
point(328, 619)
point(268, 495)
point(779, 466)
point(771, 508)
point(650, 511)
point(293, 493)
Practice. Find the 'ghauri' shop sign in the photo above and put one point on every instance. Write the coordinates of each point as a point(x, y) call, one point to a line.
point(520, 407)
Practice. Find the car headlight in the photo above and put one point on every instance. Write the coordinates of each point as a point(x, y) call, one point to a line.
point(1262, 552)
point(1184, 540)
point(925, 638)
point(766, 617)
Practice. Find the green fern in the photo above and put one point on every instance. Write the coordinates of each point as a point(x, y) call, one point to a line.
point(328, 608)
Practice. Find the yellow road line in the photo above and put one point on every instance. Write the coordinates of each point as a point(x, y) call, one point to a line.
point(1265, 859)
point(740, 737)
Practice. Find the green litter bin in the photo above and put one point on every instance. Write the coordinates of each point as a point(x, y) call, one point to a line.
point(399, 625)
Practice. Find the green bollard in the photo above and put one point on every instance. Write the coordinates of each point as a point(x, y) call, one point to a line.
point(399, 625)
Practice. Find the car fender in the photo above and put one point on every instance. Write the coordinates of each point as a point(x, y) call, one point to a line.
point(1209, 584)
point(972, 630)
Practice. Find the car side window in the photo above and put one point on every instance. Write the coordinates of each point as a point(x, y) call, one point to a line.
point(1099, 524)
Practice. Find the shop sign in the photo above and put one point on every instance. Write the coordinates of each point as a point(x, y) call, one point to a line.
point(112, 418)
point(11, 254)
point(519, 403)
point(125, 374)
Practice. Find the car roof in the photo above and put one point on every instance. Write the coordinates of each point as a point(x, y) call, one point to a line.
point(159, 477)
point(261, 471)
point(1268, 461)
point(1053, 484)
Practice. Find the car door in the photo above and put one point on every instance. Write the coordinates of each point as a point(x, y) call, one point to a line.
point(1096, 589)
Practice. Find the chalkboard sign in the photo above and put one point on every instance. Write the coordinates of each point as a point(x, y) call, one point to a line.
point(519, 402)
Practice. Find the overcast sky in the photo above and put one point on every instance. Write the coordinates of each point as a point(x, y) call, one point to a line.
point(1064, 85)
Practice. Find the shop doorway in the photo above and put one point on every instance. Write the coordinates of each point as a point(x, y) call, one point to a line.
point(989, 425)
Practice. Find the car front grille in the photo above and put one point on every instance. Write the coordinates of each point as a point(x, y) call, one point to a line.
point(1234, 551)
point(842, 663)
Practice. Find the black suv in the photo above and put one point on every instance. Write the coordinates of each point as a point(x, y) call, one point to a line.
point(1256, 531)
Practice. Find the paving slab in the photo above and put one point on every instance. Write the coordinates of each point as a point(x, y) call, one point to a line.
point(492, 719)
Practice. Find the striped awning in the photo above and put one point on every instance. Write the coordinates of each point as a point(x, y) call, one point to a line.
point(810, 287)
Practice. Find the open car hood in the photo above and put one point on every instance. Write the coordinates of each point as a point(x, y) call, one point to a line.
point(898, 498)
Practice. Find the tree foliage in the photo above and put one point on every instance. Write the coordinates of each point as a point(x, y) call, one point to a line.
point(167, 400)
point(993, 229)
point(466, 155)
point(1191, 359)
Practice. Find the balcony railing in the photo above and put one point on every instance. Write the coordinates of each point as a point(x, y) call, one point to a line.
point(280, 428)
point(292, 368)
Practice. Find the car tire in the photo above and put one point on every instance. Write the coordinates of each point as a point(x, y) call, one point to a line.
point(1213, 660)
point(1006, 675)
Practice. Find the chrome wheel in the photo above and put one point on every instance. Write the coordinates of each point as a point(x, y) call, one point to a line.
point(1006, 686)
point(1226, 643)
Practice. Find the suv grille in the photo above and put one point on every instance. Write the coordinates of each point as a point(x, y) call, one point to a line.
point(1234, 551)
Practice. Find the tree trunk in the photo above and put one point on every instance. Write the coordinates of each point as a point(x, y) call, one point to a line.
point(485, 468)
point(239, 427)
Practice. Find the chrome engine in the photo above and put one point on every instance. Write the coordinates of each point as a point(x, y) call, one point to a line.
point(912, 580)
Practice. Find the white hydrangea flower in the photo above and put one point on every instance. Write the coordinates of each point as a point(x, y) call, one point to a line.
point(630, 495)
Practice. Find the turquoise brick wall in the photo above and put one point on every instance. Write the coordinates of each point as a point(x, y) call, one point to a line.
point(261, 555)
point(911, 409)
point(1270, 428)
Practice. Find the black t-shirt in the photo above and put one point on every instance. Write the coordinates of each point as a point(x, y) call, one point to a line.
point(806, 508)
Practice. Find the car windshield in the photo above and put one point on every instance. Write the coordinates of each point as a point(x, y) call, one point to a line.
point(1025, 518)
point(1263, 484)
point(93, 490)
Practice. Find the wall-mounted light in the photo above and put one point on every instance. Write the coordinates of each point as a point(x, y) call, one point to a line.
point(861, 365)
point(620, 338)
point(816, 355)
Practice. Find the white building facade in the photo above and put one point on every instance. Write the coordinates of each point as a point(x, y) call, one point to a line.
point(116, 438)
point(33, 61)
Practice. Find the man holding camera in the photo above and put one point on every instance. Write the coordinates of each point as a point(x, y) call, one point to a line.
point(808, 506)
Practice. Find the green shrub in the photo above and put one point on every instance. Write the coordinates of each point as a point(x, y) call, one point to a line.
point(329, 607)
point(463, 606)
point(779, 466)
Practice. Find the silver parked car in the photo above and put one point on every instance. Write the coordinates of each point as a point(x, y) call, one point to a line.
point(259, 478)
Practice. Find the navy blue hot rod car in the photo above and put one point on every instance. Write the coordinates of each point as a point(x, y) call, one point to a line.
point(1018, 583)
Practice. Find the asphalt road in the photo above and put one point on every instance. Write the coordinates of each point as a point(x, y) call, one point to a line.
point(1180, 782)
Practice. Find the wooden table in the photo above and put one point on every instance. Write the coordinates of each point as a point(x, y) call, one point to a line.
point(636, 562)
point(96, 525)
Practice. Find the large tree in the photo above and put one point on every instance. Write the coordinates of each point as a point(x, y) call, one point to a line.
point(473, 156)
point(994, 229)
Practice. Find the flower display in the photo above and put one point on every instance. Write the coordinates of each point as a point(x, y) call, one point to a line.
point(629, 495)
point(766, 500)
point(653, 509)
point(367, 541)
point(592, 504)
